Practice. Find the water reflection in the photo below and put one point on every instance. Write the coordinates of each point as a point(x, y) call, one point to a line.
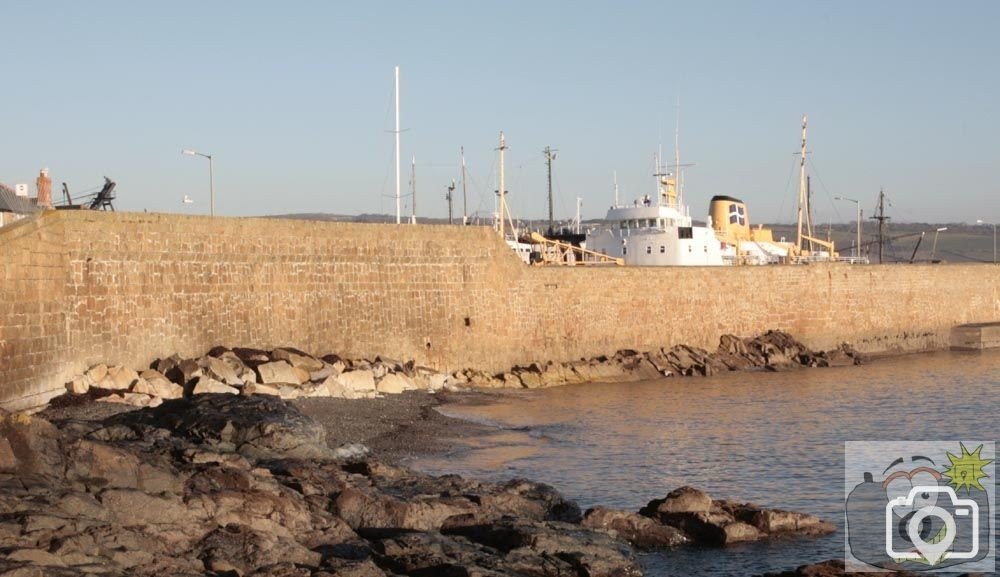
point(772, 438)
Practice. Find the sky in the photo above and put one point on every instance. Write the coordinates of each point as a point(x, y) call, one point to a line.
point(294, 101)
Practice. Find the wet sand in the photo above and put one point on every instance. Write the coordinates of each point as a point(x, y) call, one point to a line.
point(397, 427)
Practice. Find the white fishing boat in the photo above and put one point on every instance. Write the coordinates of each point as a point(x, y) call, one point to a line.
point(657, 231)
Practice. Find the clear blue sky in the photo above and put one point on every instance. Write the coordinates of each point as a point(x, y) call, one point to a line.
point(294, 100)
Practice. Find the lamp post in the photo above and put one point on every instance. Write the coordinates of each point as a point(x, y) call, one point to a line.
point(857, 204)
point(994, 238)
point(211, 175)
point(934, 246)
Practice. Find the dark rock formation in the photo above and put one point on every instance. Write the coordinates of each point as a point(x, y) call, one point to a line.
point(711, 522)
point(237, 485)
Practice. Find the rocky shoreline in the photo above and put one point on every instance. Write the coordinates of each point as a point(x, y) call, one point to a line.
point(290, 373)
point(244, 485)
point(247, 462)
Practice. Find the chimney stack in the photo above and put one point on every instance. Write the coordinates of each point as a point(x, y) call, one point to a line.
point(44, 186)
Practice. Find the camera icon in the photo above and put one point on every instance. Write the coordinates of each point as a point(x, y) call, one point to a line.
point(925, 523)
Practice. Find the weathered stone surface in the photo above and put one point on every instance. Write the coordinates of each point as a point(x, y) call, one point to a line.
point(117, 379)
point(297, 359)
point(712, 522)
point(155, 384)
point(218, 369)
point(78, 386)
point(395, 383)
point(207, 385)
point(359, 381)
point(259, 389)
point(636, 529)
point(277, 372)
point(681, 500)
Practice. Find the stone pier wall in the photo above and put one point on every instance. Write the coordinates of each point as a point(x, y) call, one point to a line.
point(78, 288)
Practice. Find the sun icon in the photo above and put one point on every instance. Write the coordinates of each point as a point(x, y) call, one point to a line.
point(967, 470)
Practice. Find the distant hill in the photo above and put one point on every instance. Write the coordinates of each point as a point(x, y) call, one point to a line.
point(960, 243)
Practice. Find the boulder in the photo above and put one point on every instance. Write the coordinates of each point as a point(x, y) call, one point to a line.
point(220, 370)
point(681, 500)
point(395, 383)
point(358, 381)
point(641, 531)
point(153, 383)
point(206, 385)
point(78, 386)
point(258, 426)
point(259, 389)
point(117, 379)
point(297, 359)
point(278, 372)
point(96, 373)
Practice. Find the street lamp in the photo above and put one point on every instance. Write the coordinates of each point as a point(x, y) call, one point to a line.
point(211, 174)
point(934, 246)
point(857, 204)
point(994, 238)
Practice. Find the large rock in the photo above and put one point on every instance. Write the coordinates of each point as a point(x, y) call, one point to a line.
point(360, 381)
point(258, 426)
point(636, 529)
point(117, 379)
point(278, 372)
point(395, 383)
point(680, 500)
point(220, 370)
point(153, 383)
point(712, 522)
point(207, 385)
point(297, 359)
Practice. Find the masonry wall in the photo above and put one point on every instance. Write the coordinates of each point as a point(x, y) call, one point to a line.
point(78, 288)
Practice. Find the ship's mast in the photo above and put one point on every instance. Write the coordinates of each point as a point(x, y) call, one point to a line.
point(550, 155)
point(399, 205)
point(616, 188)
point(881, 218)
point(502, 193)
point(803, 192)
point(465, 196)
point(413, 190)
point(451, 189)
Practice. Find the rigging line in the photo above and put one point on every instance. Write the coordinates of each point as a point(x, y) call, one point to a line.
point(829, 197)
point(788, 186)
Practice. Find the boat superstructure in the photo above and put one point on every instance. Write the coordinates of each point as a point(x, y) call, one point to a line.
point(657, 231)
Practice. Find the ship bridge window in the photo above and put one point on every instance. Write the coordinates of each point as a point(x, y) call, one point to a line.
point(663, 249)
point(685, 232)
point(649, 250)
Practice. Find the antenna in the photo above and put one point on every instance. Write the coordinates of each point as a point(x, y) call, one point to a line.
point(550, 155)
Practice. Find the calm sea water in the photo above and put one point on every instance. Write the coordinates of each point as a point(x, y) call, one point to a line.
point(772, 438)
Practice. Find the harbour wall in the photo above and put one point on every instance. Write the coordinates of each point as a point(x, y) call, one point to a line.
point(79, 288)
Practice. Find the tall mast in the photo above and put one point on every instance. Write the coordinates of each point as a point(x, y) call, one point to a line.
point(616, 188)
point(550, 155)
point(677, 156)
point(465, 196)
point(399, 206)
point(451, 189)
point(413, 190)
point(881, 218)
point(501, 191)
point(802, 185)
